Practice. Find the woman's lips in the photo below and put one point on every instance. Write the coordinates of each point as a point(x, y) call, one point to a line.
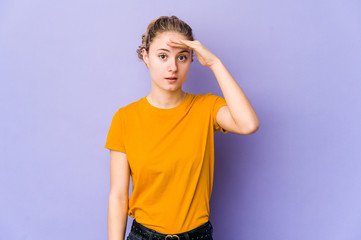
point(172, 80)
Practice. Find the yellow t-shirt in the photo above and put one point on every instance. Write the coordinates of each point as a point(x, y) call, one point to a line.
point(171, 157)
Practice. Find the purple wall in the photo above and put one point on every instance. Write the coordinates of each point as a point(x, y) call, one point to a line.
point(67, 66)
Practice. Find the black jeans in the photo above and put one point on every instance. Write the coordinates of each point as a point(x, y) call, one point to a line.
point(141, 232)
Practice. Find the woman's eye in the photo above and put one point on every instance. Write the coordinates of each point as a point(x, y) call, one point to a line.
point(184, 58)
point(162, 56)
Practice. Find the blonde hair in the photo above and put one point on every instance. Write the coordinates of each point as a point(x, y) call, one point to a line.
point(164, 24)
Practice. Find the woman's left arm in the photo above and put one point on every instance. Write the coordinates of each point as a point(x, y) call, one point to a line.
point(238, 116)
point(238, 105)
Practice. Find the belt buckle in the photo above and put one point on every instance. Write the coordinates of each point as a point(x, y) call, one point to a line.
point(171, 236)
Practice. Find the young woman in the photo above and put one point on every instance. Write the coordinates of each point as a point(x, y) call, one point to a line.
point(165, 140)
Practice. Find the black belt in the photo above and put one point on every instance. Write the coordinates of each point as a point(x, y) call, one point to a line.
point(203, 232)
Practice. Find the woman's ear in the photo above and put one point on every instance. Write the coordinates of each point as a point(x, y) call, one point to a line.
point(145, 57)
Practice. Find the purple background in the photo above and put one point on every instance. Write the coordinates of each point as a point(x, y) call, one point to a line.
point(67, 66)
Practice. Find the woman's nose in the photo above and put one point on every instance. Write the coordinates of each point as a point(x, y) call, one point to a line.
point(172, 65)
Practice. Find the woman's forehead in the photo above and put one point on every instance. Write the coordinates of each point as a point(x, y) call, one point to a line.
point(169, 34)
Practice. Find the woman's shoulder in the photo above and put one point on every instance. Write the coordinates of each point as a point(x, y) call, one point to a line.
point(129, 107)
point(208, 97)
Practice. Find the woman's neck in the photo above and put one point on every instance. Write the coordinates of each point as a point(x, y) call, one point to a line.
point(166, 99)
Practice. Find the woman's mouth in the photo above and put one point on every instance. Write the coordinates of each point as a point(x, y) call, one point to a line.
point(171, 79)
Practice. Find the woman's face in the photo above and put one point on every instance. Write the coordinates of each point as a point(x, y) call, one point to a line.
point(165, 62)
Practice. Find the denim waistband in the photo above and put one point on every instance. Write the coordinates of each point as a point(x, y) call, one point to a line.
point(203, 231)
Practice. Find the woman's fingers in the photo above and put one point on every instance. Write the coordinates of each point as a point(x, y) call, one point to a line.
point(181, 43)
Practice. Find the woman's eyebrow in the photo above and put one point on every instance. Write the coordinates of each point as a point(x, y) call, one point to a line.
point(163, 49)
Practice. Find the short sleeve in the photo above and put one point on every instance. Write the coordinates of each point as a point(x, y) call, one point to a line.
point(216, 103)
point(115, 138)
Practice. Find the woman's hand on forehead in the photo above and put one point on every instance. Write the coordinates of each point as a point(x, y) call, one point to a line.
point(204, 56)
point(177, 43)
